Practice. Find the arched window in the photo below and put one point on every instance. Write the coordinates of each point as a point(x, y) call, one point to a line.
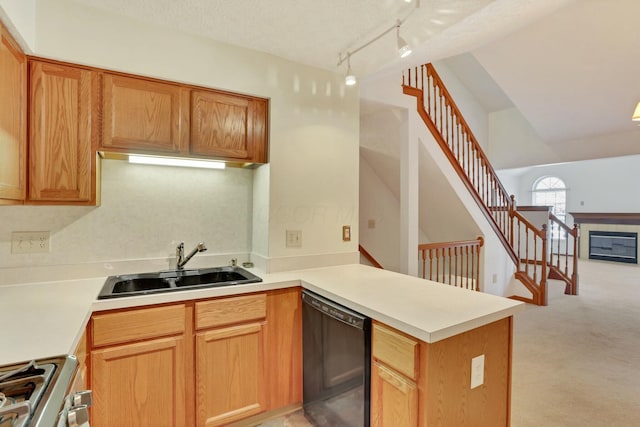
point(551, 191)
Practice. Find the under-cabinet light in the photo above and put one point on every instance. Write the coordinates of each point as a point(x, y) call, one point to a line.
point(169, 161)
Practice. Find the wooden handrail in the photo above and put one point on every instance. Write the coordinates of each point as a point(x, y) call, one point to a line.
point(369, 257)
point(457, 243)
point(561, 224)
point(463, 122)
point(526, 244)
point(565, 271)
point(482, 187)
point(454, 263)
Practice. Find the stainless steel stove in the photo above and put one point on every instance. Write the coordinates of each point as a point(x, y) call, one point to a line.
point(39, 394)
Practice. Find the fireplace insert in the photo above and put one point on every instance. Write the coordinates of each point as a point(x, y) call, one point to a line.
point(613, 246)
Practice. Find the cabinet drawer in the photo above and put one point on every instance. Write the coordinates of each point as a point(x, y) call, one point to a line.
point(138, 324)
point(227, 311)
point(396, 350)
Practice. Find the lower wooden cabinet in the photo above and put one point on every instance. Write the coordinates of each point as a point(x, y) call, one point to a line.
point(140, 384)
point(395, 398)
point(203, 363)
point(414, 383)
point(230, 374)
point(140, 372)
point(394, 372)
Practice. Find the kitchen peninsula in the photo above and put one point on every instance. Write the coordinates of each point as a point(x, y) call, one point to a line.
point(449, 327)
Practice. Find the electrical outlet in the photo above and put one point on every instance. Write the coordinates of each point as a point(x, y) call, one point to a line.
point(294, 239)
point(371, 223)
point(477, 371)
point(30, 242)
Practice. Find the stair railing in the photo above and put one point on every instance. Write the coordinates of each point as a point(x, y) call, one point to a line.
point(451, 131)
point(563, 262)
point(369, 257)
point(460, 146)
point(453, 263)
point(530, 244)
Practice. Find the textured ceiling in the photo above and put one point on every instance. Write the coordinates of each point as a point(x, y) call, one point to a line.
point(569, 66)
point(316, 32)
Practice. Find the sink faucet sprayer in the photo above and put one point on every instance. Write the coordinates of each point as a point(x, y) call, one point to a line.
point(181, 259)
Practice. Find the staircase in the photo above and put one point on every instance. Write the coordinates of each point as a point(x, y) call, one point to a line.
point(528, 246)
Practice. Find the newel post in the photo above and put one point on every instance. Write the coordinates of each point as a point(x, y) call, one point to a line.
point(543, 275)
point(512, 209)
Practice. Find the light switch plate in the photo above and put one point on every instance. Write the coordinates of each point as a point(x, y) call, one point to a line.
point(477, 371)
point(294, 239)
point(346, 233)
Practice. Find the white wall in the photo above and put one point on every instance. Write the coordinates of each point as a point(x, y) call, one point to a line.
point(311, 183)
point(379, 204)
point(602, 185)
point(513, 143)
point(146, 211)
point(20, 17)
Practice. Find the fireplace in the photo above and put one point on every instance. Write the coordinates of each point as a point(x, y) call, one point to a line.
point(613, 246)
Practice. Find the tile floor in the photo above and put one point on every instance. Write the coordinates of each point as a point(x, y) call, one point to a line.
point(344, 410)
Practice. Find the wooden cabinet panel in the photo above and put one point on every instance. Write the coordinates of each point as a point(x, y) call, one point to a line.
point(62, 160)
point(228, 126)
point(449, 398)
point(13, 120)
point(396, 350)
point(137, 324)
point(81, 379)
point(143, 114)
point(283, 336)
point(394, 399)
point(141, 384)
point(226, 311)
point(229, 374)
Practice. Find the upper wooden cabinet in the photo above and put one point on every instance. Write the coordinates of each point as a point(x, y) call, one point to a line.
point(143, 114)
point(164, 118)
point(62, 134)
point(228, 126)
point(13, 120)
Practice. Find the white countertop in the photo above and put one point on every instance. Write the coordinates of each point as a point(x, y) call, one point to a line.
point(52, 315)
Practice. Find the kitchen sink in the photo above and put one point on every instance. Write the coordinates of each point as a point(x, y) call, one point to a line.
point(174, 280)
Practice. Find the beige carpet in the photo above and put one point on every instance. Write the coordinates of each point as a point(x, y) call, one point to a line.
point(576, 362)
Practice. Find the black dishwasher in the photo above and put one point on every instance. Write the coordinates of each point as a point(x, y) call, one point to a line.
point(336, 344)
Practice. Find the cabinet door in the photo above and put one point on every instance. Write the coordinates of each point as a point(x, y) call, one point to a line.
point(62, 160)
point(227, 126)
point(140, 114)
point(13, 119)
point(229, 374)
point(140, 384)
point(394, 399)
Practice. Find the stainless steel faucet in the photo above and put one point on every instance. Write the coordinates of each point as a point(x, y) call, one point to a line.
point(181, 259)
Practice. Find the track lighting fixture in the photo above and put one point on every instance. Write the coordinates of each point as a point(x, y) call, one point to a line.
point(350, 78)
point(404, 49)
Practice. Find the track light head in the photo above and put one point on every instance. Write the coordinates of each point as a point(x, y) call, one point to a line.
point(350, 78)
point(404, 49)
